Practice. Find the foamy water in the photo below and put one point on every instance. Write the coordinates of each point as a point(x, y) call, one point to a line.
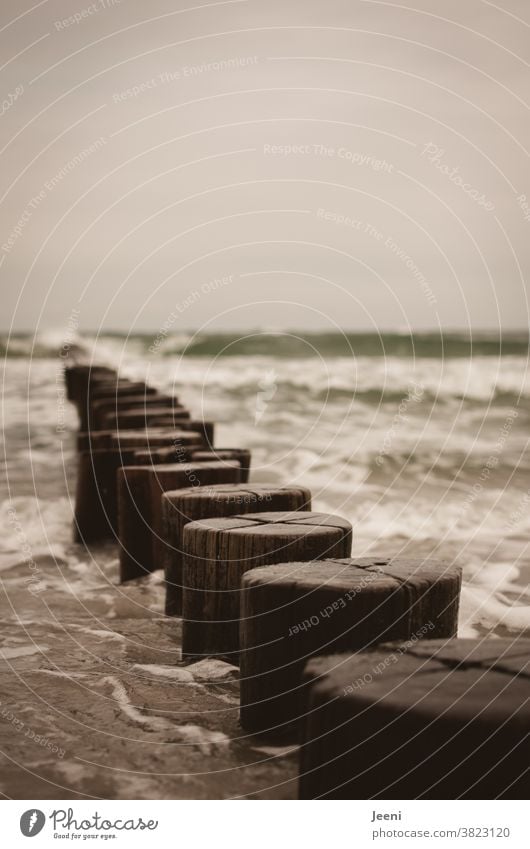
point(424, 455)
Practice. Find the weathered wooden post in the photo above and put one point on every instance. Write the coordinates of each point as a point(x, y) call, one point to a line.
point(206, 428)
point(96, 514)
point(180, 507)
point(115, 386)
point(140, 490)
point(162, 439)
point(79, 377)
point(93, 440)
point(102, 406)
point(241, 454)
point(138, 417)
point(198, 453)
point(217, 552)
point(443, 719)
point(168, 454)
point(95, 501)
point(110, 391)
point(155, 438)
point(293, 611)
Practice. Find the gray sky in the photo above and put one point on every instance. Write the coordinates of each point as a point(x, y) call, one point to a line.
point(309, 164)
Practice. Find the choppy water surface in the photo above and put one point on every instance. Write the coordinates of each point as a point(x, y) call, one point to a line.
point(421, 443)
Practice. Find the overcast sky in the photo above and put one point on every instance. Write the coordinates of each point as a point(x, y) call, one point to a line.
point(309, 164)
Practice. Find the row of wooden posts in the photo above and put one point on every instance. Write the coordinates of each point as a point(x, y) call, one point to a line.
point(356, 658)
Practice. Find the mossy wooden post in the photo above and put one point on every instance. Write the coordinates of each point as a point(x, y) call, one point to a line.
point(293, 611)
point(217, 552)
point(183, 506)
point(140, 490)
point(446, 719)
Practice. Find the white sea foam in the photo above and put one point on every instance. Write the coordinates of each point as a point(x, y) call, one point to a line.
point(22, 651)
point(213, 671)
point(203, 671)
point(202, 738)
point(173, 673)
point(151, 722)
point(39, 522)
point(188, 734)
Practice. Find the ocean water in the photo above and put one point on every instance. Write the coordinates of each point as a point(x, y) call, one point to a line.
point(422, 443)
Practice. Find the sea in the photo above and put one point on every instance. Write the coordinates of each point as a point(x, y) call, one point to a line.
point(420, 441)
